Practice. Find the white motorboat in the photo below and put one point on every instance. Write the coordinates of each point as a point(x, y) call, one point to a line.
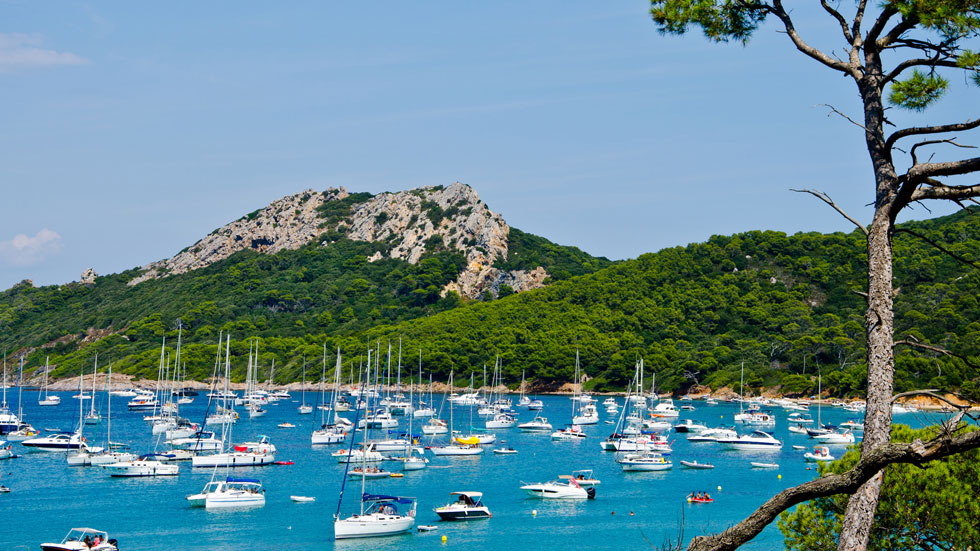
point(689, 425)
point(106, 457)
point(6, 451)
point(144, 401)
point(505, 451)
point(538, 424)
point(712, 435)
point(853, 425)
point(302, 499)
point(145, 465)
point(758, 440)
point(840, 438)
point(234, 493)
point(234, 459)
point(759, 419)
point(762, 465)
point(56, 443)
point(202, 441)
point(559, 490)
point(381, 517)
point(465, 506)
point(125, 393)
point(83, 539)
point(585, 478)
point(571, 432)
point(535, 405)
point(819, 453)
point(648, 461)
point(501, 421)
point(382, 420)
point(665, 409)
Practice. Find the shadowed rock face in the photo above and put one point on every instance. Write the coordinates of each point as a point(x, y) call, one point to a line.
point(409, 222)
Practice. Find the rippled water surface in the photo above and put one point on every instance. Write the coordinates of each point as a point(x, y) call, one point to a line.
point(631, 510)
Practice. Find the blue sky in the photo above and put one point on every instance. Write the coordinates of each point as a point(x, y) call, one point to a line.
point(131, 129)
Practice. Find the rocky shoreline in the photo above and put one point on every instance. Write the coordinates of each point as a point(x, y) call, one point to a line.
point(122, 381)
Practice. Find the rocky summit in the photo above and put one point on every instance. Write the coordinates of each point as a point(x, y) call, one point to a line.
point(408, 222)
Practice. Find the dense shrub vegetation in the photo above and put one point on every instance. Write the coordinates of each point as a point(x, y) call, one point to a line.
point(786, 306)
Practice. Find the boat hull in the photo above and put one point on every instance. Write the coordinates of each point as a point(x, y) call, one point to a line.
point(369, 526)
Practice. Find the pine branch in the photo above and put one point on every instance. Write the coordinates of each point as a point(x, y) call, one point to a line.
point(826, 199)
point(938, 129)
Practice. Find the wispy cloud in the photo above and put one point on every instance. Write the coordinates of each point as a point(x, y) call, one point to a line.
point(25, 51)
point(24, 251)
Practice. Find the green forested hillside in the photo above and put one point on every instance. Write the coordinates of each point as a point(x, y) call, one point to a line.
point(786, 306)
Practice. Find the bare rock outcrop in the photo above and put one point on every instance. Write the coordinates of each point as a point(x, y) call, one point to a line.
point(408, 223)
point(88, 277)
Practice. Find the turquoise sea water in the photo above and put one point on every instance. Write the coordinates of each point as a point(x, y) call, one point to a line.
point(49, 497)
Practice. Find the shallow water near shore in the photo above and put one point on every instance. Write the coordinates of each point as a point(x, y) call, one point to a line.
point(48, 497)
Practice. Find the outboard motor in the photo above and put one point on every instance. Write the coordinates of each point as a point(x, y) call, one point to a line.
point(114, 543)
point(590, 492)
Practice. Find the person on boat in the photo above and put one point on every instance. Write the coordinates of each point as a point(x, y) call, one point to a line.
point(87, 541)
point(96, 541)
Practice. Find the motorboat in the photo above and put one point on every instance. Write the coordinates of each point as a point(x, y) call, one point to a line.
point(240, 457)
point(838, 438)
point(107, 457)
point(648, 461)
point(56, 443)
point(83, 539)
point(505, 451)
point(538, 424)
point(286, 425)
point(689, 425)
point(383, 420)
point(585, 479)
point(762, 465)
point(25, 432)
point(382, 517)
point(203, 441)
point(535, 405)
point(144, 401)
point(760, 419)
point(665, 409)
point(559, 490)
point(124, 393)
point(571, 432)
point(146, 465)
point(853, 425)
point(758, 440)
point(819, 453)
point(233, 493)
point(696, 465)
point(6, 451)
point(464, 506)
point(501, 421)
point(302, 499)
point(712, 435)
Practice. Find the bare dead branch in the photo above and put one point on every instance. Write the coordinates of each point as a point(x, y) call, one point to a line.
point(801, 45)
point(905, 132)
point(879, 27)
point(826, 199)
point(934, 142)
point(941, 191)
point(849, 119)
point(870, 464)
point(840, 19)
point(953, 168)
point(858, 17)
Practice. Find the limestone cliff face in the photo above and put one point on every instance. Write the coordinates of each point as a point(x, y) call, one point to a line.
point(408, 222)
point(288, 223)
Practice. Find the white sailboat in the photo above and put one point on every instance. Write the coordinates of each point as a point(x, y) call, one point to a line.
point(380, 515)
point(47, 399)
point(303, 408)
point(457, 446)
point(587, 412)
point(335, 432)
point(93, 417)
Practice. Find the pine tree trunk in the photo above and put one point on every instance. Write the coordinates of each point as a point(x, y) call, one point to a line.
point(879, 323)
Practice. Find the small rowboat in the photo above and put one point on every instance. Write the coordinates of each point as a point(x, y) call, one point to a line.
point(696, 465)
point(397, 475)
point(427, 527)
point(286, 426)
point(283, 462)
point(699, 500)
point(765, 465)
point(302, 499)
point(505, 451)
point(799, 447)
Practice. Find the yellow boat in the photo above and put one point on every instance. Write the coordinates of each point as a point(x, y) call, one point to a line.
point(470, 441)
